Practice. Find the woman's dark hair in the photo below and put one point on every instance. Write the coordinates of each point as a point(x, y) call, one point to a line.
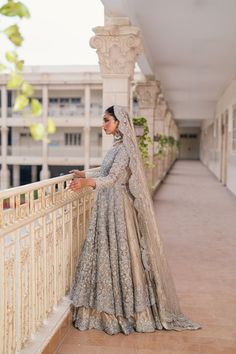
point(110, 110)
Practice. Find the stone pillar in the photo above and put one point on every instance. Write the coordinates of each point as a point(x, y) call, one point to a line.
point(176, 136)
point(159, 128)
point(33, 173)
point(4, 173)
point(16, 175)
point(160, 113)
point(118, 45)
point(147, 93)
point(87, 128)
point(168, 119)
point(45, 173)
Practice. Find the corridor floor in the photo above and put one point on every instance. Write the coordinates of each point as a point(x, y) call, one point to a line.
point(197, 221)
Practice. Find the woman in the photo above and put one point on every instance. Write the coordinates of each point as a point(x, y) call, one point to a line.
point(122, 282)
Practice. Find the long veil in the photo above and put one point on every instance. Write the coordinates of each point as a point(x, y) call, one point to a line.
point(153, 254)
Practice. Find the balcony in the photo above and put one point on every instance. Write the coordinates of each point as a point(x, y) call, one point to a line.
point(42, 229)
point(96, 110)
point(66, 110)
point(53, 151)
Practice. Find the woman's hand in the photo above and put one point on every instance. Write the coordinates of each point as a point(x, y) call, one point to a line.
point(78, 173)
point(77, 183)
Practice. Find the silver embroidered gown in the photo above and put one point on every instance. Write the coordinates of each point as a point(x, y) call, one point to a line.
point(111, 290)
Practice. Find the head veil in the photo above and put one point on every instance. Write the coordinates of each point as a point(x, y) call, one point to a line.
point(153, 254)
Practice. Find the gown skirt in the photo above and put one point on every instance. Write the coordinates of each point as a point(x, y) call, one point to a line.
point(112, 291)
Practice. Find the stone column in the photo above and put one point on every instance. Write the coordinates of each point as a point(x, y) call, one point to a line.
point(87, 128)
point(16, 175)
point(160, 114)
point(159, 128)
point(118, 45)
point(176, 136)
point(45, 173)
point(168, 119)
point(147, 92)
point(4, 173)
point(33, 173)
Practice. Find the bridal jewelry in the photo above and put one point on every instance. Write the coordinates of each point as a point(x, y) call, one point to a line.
point(117, 136)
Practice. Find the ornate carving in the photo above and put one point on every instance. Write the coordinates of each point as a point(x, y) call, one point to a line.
point(147, 93)
point(118, 48)
point(161, 108)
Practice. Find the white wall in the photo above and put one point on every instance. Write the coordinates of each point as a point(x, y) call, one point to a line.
point(211, 138)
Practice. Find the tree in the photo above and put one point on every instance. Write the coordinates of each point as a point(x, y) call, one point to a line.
point(15, 66)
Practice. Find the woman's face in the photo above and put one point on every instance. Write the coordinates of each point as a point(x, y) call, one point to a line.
point(109, 124)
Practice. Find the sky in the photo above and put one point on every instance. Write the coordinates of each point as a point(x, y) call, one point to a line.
point(58, 32)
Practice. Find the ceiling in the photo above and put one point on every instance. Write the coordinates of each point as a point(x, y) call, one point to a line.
point(189, 45)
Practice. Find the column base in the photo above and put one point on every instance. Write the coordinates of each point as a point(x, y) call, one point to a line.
point(44, 174)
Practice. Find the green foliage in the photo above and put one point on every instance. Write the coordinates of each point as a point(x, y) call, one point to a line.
point(36, 107)
point(15, 81)
point(15, 67)
point(11, 57)
point(144, 140)
point(14, 35)
point(20, 103)
point(37, 131)
point(14, 9)
point(164, 142)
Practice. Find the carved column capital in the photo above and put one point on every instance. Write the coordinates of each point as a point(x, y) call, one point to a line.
point(147, 92)
point(161, 108)
point(118, 48)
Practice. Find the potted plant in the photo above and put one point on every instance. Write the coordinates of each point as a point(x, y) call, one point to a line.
point(144, 139)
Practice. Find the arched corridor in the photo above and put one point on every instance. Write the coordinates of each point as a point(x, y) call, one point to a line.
point(196, 217)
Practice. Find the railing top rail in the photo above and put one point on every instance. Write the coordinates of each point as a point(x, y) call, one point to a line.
point(6, 193)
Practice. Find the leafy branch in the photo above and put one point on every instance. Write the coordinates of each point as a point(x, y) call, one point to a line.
point(164, 142)
point(144, 140)
point(15, 66)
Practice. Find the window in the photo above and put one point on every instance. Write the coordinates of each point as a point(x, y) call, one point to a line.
point(76, 100)
point(72, 138)
point(37, 98)
point(64, 101)
point(191, 136)
point(53, 100)
point(25, 135)
point(234, 129)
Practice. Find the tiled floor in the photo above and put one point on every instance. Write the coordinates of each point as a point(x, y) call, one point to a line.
point(197, 220)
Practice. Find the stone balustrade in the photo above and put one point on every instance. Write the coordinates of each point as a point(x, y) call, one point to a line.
point(42, 229)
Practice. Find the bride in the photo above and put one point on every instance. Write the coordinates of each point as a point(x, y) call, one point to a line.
point(122, 281)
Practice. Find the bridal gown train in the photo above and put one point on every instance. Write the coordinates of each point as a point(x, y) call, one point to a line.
point(112, 289)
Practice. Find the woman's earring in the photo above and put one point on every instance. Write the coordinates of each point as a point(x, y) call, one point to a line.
point(117, 135)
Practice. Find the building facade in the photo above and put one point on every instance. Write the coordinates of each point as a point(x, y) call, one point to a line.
point(72, 96)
